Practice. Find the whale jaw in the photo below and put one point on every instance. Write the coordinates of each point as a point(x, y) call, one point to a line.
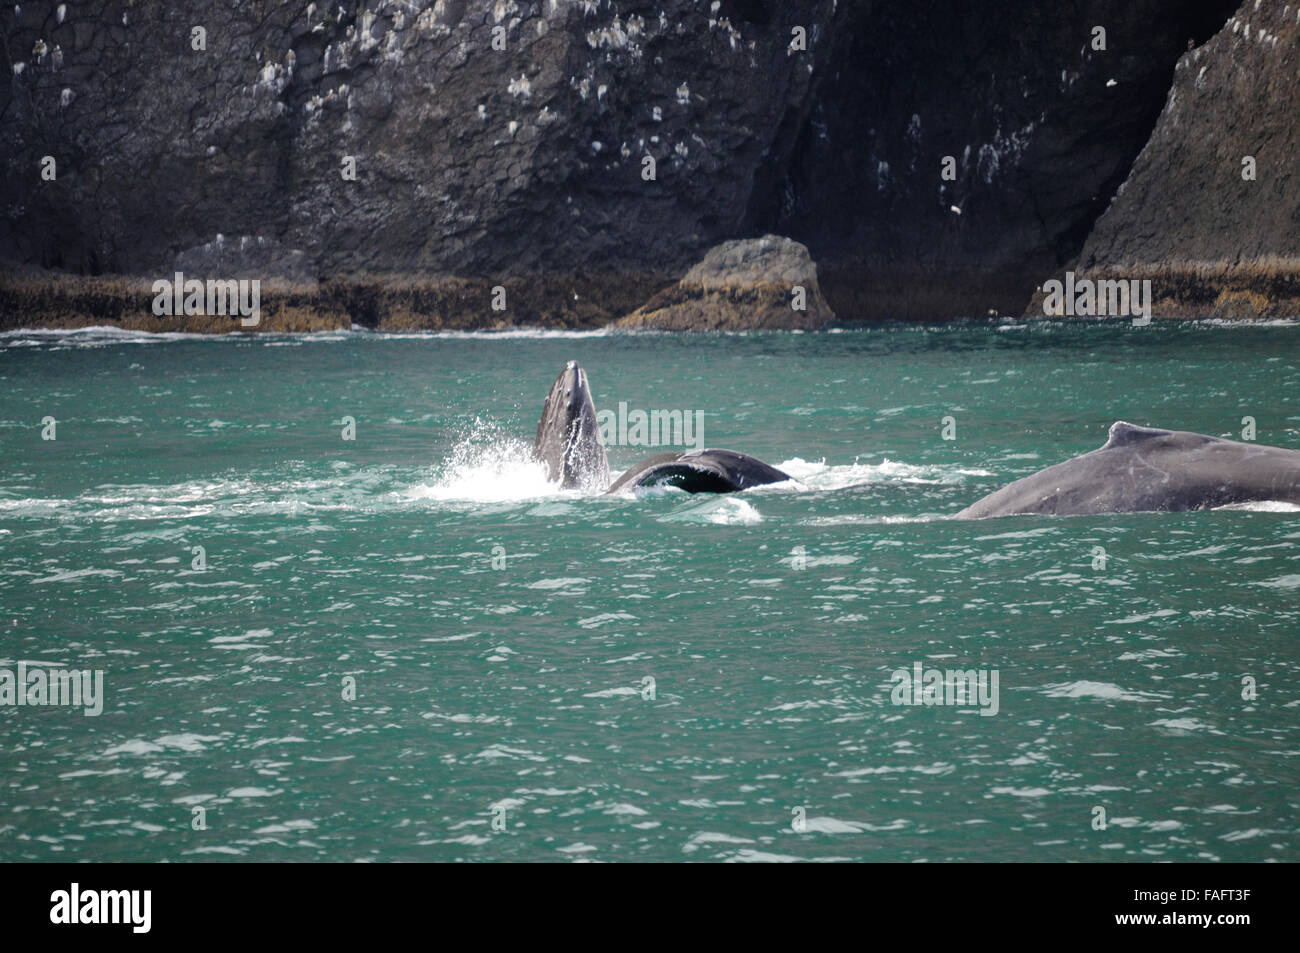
point(568, 436)
point(700, 471)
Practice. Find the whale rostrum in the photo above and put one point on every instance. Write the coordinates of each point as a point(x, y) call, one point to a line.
point(568, 437)
point(569, 443)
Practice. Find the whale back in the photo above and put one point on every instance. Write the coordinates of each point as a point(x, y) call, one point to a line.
point(568, 435)
point(1149, 469)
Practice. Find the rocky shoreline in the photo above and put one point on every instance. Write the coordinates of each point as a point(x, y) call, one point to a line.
point(384, 303)
point(1262, 290)
point(1254, 291)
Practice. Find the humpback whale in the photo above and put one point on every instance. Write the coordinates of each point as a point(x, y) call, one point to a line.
point(1145, 469)
point(568, 437)
point(568, 442)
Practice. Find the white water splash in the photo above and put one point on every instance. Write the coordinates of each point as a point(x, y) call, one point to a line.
point(487, 466)
point(1262, 506)
point(821, 476)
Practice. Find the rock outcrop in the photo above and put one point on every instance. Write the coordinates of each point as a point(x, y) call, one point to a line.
point(1211, 211)
point(768, 282)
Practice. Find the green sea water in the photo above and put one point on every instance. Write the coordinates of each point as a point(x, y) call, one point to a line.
point(550, 675)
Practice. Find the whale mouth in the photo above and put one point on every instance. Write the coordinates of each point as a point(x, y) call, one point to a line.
point(691, 479)
point(700, 471)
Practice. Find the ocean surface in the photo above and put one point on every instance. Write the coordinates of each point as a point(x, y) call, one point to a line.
point(407, 646)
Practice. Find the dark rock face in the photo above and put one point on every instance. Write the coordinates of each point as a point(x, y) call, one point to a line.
point(1216, 233)
point(526, 167)
point(767, 282)
point(469, 160)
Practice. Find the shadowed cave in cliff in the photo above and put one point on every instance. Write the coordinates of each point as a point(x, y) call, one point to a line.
point(1044, 129)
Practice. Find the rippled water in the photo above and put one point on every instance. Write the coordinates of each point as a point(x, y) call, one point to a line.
point(770, 622)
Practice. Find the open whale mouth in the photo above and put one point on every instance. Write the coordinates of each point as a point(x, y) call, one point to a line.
point(688, 478)
point(700, 471)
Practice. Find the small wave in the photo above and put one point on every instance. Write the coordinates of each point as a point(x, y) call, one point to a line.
point(75, 574)
point(566, 582)
point(719, 511)
point(100, 335)
point(613, 692)
point(97, 335)
point(1020, 534)
point(1184, 726)
point(1282, 582)
point(32, 506)
point(1245, 322)
point(287, 494)
point(831, 825)
point(1103, 690)
point(1142, 617)
point(506, 334)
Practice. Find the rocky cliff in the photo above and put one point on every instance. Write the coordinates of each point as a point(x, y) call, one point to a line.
point(438, 163)
point(1211, 211)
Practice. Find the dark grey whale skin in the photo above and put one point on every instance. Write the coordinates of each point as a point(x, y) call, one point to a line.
point(568, 436)
point(1144, 469)
point(700, 471)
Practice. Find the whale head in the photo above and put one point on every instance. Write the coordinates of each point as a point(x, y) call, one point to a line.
point(568, 436)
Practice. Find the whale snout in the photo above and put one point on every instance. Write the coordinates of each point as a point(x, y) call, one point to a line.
point(577, 392)
point(568, 437)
